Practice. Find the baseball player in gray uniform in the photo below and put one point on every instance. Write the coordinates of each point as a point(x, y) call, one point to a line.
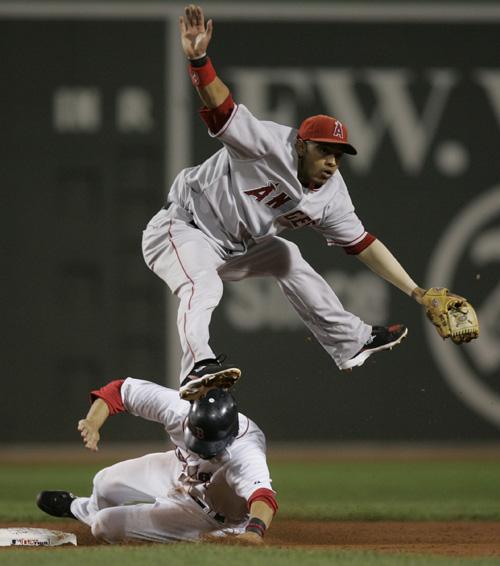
point(223, 217)
point(216, 482)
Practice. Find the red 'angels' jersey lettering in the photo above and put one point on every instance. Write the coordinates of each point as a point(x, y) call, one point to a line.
point(249, 190)
point(294, 219)
point(262, 192)
point(298, 218)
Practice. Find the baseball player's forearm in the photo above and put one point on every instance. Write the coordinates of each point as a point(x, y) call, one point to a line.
point(106, 401)
point(213, 94)
point(261, 515)
point(381, 261)
point(261, 510)
point(89, 426)
point(98, 413)
point(262, 507)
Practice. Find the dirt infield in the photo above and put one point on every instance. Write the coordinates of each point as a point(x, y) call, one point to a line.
point(472, 539)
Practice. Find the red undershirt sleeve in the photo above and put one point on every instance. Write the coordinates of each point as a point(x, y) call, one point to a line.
point(360, 246)
point(111, 395)
point(266, 496)
point(216, 118)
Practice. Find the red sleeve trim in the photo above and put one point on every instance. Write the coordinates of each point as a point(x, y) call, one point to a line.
point(216, 118)
point(202, 76)
point(265, 495)
point(111, 395)
point(360, 246)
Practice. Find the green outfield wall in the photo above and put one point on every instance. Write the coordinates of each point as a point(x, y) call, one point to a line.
point(97, 117)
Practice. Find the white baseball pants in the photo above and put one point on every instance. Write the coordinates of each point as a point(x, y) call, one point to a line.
point(194, 268)
point(141, 499)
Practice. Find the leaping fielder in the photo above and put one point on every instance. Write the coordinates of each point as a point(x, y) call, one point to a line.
point(216, 482)
point(222, 220)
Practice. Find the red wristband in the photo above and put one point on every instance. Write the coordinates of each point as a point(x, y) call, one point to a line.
point(111, 395)
point(266, 496)
point(256, 526)
point(202, 76)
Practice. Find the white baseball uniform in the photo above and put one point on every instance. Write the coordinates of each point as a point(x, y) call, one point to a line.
point(174, 495)
point(222, 223)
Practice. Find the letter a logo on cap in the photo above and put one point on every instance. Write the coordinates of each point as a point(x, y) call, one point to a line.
point(338, 130)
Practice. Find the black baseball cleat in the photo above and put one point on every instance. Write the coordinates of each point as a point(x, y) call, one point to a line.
point(56, 503)
point(382, 338)
point(207, 375)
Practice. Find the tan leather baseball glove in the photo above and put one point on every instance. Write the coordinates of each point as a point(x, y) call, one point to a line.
point(453, 316)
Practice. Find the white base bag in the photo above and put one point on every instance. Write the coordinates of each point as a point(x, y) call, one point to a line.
point(24, 536)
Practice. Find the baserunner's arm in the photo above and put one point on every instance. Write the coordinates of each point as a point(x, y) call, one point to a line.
point(89, 426)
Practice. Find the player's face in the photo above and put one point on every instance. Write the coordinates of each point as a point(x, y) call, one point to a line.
point(317, 161)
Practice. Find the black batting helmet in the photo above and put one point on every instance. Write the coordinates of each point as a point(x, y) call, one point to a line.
point(212, 423)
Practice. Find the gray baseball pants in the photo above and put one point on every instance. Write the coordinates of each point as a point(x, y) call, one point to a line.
point(194, 268)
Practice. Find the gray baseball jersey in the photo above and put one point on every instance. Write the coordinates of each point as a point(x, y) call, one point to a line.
point(249, 189)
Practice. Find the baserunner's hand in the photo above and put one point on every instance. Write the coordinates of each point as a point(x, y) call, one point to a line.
point(195, 37)
point(89, 433)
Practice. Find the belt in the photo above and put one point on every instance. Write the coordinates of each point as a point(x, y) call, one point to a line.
point(169, 204)
point(194, 225)
point(206, 509)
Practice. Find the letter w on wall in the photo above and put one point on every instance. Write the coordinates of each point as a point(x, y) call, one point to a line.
point(394, 112)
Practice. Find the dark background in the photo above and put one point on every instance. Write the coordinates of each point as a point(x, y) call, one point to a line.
point(81, 308)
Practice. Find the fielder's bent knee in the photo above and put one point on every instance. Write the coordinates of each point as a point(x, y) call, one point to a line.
point(293, 252)
point(287, 258)
point(204, 289)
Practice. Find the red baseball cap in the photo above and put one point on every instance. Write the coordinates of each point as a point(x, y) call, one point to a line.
point(326, 129)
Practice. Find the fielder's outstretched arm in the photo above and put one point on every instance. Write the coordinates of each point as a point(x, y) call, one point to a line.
point(381, 261)
point(195, 37)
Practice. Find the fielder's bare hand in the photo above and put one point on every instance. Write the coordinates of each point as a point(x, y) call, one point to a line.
point(195, 37)
point(90, 434)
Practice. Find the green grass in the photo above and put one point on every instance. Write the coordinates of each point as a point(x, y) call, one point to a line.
point(341, 490)
point(208, 555)
point(329, 490)
point(389, 490)
point(19, 485)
